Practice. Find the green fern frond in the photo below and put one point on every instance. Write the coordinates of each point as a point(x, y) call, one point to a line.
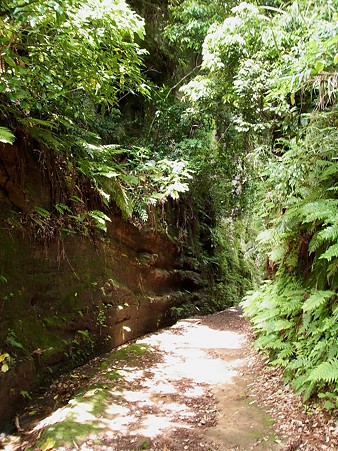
point(281, 324)
point(47, 137)
point(267, 236)
point(326, 371)
point(292, 305)
point(100, 219)
point(329, 233)
point(309, 390)
point(121, 198)
point(284, 356)
point(315, 243)
point(332, 269)
point(331, 170)
point(317, 299)
point(332, 347)
point(278, 252)
point(300, 362)
point(331, 323)
point(264, 341)
point(31, 122)
point(321, 210)
point(299, 383)
point(6, 136)
point(278, 344)
point(330, 253)
point(320, 347)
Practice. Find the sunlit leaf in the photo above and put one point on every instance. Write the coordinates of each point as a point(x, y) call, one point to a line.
point(4, 367)
point(49, 444)
point(6, 136)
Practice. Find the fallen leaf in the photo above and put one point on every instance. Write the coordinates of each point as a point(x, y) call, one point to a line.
point(49, 444)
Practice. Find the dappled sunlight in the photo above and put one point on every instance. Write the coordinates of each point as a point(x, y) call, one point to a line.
point(186, 352)
point(115, 409)
point(199, 368)
point(79, 411)
point(136, 396)
point(194, 392)
point(198, 336)
point(158, 386)
point(121, 424)
point(146, 401)
point(153, 425)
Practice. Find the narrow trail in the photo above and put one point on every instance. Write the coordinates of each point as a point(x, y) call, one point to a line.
point(187, 387)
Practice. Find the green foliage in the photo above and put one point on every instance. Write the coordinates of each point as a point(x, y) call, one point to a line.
point(6, 136)
point(233, 260)
point(63, 67)
point(316, 300)
point(268, 81)
point(302, 242)
point(133, 178)
point(190, 20)
point(326, 371)
point(300, 339)
point(48, 44)
point(12, 340)
point(80, 348)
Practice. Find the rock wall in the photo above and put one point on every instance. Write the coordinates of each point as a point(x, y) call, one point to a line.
point(62, 302)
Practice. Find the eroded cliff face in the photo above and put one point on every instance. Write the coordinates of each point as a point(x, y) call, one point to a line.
point(64, 301)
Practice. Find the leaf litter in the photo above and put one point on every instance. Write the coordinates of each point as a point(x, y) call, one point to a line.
point(198, 385)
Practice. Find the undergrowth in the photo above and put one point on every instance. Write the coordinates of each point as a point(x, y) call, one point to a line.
point(295, 313)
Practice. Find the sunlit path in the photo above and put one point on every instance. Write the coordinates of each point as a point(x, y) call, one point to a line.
point(181, 388)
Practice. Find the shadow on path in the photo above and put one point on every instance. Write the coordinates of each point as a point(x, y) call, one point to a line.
point(182, 388)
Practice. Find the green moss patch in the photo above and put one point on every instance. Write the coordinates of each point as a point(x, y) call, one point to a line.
point(132, 350)
point(67, 432)
point(114, 375)
point(82, 418)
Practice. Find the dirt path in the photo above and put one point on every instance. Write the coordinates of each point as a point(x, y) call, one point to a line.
point(189, 387)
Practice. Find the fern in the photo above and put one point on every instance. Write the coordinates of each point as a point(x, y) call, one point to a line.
point(300, 362)
point(138, 181)
point(122, 199)
point(315, 243)
point(299, 383)
point(292, 304)
point(281, 324)
point(326, 371)
point(329, 233)
point(284, 356)
point(100, 219)
point(316, 300)
point(6, 136)
point(264, 341)
point(48, 138)
point(321, 210)
point(331, 252)
point(309, 390)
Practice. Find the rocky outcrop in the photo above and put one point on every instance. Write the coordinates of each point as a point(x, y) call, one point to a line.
point(64, 301)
